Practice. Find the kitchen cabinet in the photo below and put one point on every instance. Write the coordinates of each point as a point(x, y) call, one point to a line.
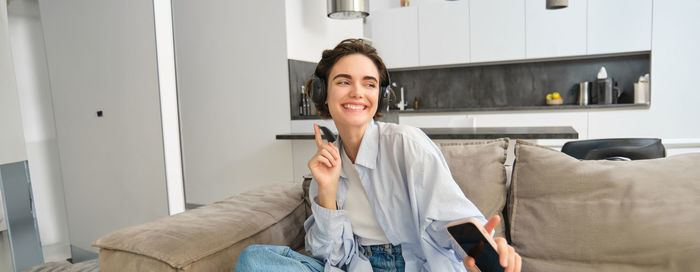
point(443, 32)
point(394, 33)
point(555, 33)
point(497, 30)
point(619, 26)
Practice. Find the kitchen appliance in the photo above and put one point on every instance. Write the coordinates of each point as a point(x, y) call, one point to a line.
point(605, 89)
point(641, 90)
point(583, 92)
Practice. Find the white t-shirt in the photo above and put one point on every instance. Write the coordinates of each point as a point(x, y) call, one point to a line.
point(362, 219)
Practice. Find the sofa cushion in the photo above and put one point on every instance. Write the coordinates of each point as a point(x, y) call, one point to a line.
point(211, 237)
point(478, 168)
point(567, 214)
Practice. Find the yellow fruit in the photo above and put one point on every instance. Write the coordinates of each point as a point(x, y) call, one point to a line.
point(556, 95)
point(549, 97)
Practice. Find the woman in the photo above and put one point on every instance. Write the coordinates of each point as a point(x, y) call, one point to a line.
point(383, 195)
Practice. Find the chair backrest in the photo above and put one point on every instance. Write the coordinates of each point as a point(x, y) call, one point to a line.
point(631, 148)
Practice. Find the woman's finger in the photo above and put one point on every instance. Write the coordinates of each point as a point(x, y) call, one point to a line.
point(335, 155)
point(327, 154)
point(502, 251)
point(319, 139)
point(335, 152)
point(492, 223)
point(511, 259)
point(319, 159)
point(518, 262)
point(469, 263)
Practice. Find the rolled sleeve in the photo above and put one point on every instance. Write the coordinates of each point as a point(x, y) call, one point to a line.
point(329, 235)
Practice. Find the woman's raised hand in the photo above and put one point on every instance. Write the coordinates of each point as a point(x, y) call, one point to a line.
point(325, 167)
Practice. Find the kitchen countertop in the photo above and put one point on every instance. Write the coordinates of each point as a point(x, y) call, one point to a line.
point(507, 108)
point(466, 133)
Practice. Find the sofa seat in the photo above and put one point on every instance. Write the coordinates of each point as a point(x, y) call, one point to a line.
point(211, 237)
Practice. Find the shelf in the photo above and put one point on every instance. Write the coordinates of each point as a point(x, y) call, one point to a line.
point(512, 108)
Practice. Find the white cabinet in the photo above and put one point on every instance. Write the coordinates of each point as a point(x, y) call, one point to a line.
point(394, 33)
point(619, 26)
point(555, 33)
point(497, 30)
point(443, 31)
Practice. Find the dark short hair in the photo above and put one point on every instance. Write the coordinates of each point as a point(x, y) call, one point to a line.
point(331, 56)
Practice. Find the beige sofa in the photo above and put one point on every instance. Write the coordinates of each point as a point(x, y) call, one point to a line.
point(561, 214)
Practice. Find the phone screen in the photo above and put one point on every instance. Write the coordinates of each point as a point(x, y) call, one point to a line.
point(474, 243)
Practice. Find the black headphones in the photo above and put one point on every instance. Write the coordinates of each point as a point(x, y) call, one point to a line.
point(318, 91)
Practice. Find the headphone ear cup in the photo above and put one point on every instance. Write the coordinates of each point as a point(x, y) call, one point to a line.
point(318, 90)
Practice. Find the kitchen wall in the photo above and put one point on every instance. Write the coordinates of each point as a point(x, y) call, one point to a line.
point(675, 64)
point(29, 55)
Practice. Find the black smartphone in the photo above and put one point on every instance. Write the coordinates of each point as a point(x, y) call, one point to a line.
point(473, 239)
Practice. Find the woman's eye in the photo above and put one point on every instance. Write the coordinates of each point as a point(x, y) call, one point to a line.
point(343, 83)
point(371, 85)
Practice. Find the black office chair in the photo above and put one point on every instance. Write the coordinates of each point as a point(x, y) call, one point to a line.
point(624, 149)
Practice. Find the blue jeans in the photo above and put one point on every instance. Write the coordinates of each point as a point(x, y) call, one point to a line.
point(384, 258)
point(275, 258)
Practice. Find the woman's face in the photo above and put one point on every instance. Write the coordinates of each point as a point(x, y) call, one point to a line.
point(353, 90)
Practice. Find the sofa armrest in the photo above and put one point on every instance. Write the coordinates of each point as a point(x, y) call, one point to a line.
point(211, 237)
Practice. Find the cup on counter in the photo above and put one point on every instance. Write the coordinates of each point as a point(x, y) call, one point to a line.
point(583, 92)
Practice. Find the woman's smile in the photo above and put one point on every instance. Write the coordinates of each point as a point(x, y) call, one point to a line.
point(354, 107)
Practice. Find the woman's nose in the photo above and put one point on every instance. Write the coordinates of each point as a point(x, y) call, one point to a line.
point(356, 90)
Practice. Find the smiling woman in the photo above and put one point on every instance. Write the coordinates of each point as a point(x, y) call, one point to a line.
point(382, 195)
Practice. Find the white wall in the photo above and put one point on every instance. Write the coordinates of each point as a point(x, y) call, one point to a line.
point(12, 147)
point(31, 69)
point(234, 97)
point(101, 56)
point(310, 31)
point(675, 93)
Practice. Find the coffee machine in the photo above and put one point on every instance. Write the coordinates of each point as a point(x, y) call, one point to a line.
point(605, 89)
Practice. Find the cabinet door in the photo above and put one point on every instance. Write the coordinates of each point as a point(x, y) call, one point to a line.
point(497, 30)
point(443, 32)
point(555, 33)
point(394, 32)
point(619, 26)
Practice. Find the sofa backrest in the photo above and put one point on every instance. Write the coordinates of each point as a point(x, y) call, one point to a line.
point(567, 214)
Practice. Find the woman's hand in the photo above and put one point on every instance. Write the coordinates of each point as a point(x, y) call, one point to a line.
point(507, 255)
point(325, 167)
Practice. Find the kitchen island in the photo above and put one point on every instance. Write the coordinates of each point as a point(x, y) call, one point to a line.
point(473, 133)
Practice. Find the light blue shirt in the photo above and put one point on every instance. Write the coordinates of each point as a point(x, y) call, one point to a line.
point(413, 195)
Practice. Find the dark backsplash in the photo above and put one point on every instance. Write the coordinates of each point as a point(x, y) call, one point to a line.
point(497, 85)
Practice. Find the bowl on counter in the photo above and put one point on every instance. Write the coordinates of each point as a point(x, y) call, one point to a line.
point(555, 102)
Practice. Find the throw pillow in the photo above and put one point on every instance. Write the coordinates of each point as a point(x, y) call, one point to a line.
point(477, 166)
point(571, 215)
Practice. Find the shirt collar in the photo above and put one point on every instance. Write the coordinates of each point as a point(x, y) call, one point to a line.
point(369, 147)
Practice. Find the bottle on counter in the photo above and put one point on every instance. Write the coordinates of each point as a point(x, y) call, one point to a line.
point(303, 102)
point(415, 103)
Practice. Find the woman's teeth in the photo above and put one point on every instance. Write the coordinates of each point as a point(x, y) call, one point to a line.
point(354, 107)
